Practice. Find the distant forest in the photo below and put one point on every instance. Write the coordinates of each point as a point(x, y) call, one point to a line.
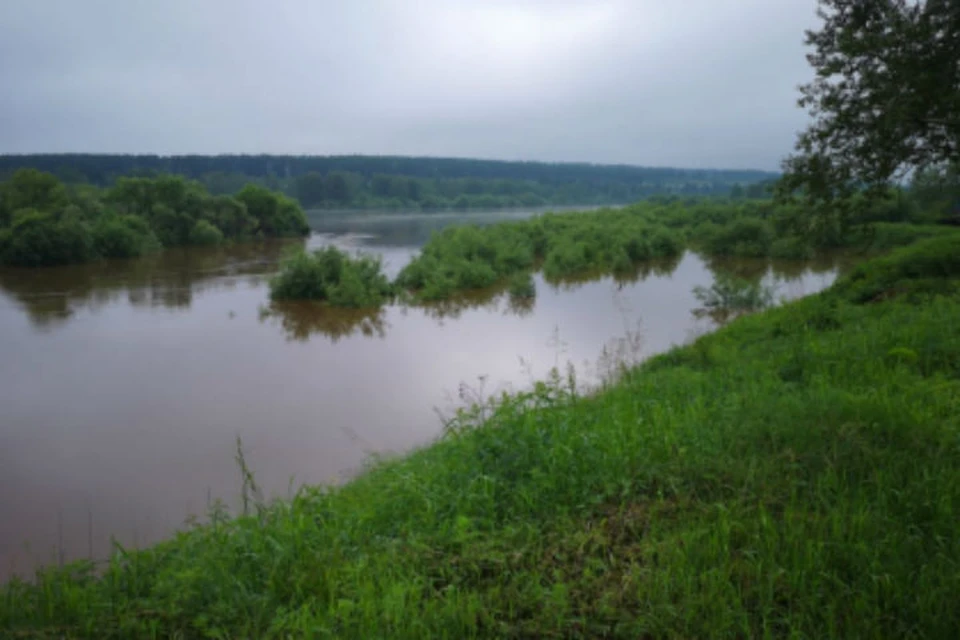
point(400, 182)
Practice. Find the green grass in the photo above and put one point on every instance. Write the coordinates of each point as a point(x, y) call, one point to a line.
point(795, 474)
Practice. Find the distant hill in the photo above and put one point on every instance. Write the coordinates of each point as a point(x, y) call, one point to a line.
point(401, 181)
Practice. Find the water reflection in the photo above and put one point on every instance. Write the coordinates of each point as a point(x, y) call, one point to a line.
point(301, 320)
point(169, 279)
point(663, 267)
point(785, 271)
point(172, 279)
point(520, 307)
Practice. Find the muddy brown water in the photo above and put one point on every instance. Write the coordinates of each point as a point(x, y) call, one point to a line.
point(124, 385)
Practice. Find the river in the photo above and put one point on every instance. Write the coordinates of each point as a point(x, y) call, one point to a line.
point(124, 385)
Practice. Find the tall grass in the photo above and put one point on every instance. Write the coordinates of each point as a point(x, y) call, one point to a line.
point(795, 474)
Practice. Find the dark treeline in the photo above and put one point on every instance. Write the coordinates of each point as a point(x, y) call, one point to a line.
point(46, 222)
point(385, 182)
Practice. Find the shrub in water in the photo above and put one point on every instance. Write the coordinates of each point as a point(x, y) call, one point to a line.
point(331, 275)
point(746, 237)
point(205, 234)
point(791, 248)
point(36, 239)
point(123, 237)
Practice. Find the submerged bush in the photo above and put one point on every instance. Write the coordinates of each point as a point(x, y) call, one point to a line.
point(44, 223)
point(568, 244)
point(123, 237)
point(205, 234)
point(745, 237)
point(36, 239)
point(331, 275)
point(791, 248)
point(275, 214)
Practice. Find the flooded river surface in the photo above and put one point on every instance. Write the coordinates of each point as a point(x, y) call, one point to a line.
point(124, 386)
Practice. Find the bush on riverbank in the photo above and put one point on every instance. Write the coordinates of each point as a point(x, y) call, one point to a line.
point(793, 474)
point(331, 275)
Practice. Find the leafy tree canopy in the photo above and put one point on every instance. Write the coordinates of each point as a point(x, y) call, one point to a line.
point(885, 101)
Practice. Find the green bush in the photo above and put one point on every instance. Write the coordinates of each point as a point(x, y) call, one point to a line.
point(49, 224)
point(745, 237)
point(275, 214)
point(331, 275)
point(38, 239)
point(123, 237)
point(664, 244)
point(791, 248)
point(565, 260)
point(205, 234)
point(567, 244)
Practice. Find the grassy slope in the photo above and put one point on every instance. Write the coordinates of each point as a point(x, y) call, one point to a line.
point(795, 474)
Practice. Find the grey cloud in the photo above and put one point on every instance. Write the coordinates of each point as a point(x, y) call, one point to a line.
point(690, 82)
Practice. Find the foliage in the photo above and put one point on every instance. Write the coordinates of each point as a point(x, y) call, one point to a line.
point(125, 236)
point(885, 100)
point(791, 475)
point(464, 258)
point(275, 214)
point(205, 234)
point(791, 248)
point(30, 189)
point(936, 192)
point(51, 224)
point(747, 237)
point(331, 275)
point(37, 238)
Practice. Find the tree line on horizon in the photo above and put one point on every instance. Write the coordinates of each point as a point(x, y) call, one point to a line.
point(400, 182)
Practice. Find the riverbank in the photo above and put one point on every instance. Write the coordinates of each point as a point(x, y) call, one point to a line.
point(793, 473)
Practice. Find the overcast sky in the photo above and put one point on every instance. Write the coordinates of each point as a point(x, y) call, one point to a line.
point(692, 83)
